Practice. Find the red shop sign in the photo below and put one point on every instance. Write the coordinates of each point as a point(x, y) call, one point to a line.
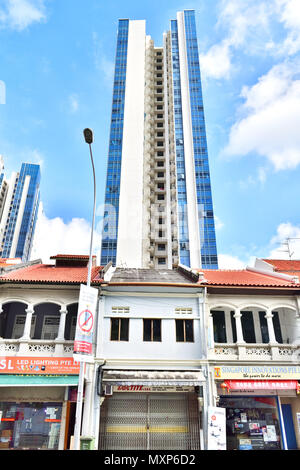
point(260, 384)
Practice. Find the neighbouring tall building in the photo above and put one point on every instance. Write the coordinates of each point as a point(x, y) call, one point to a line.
point(158, 201)
point(19, 203)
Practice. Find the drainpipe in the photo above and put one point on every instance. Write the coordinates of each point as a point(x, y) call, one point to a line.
point(98, 400)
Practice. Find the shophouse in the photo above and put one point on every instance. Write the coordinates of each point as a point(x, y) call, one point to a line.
point(152, 351)
point(38, 377)
point(253, 331)
point(169, 345)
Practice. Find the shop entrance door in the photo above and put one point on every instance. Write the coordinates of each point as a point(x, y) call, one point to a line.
point(150, 421)
point(289, 427)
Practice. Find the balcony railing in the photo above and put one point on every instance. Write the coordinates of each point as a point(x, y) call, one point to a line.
point(257, 352)
point(58, 348)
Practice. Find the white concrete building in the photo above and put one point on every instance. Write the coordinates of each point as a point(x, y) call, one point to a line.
point(152, 349)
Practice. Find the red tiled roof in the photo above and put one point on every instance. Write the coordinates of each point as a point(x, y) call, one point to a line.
point(291, 267)
point(243, 277)
point(47, 273)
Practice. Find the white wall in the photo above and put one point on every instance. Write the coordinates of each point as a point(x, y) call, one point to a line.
point(130, 229)
point(151, 307)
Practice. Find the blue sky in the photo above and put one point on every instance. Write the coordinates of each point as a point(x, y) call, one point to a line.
point(56, 70)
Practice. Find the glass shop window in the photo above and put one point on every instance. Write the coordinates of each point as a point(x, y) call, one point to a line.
point(30, 425)
point(252, 423)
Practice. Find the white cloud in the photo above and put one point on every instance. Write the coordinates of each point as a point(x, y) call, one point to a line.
point(216, 62)
point(54, 236)
point(218, 223)
point(286, 241)
point(230, 262)
point(250, 26)
point(102, 63)
point(289, 16)
point(73, 103)
point(246, 26)
point(19, 14)
point(270, 118)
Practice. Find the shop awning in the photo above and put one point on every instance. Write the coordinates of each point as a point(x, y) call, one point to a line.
point(152, 378)
point(38, 380)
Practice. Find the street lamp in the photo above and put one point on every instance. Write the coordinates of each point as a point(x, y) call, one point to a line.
point(88, 136)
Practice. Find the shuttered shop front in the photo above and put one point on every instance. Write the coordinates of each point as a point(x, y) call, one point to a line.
point(147, 415)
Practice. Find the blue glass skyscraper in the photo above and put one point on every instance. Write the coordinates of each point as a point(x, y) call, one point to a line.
point(159, 209)
point(19, 212)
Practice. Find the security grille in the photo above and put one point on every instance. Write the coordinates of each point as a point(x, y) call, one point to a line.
point(150, 422)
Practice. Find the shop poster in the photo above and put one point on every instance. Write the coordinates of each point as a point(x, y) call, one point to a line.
point(216, 428)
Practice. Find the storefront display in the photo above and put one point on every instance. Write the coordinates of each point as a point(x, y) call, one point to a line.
point(30, 425)
point(252, 423)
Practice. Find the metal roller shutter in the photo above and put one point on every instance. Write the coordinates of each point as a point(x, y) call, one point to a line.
point(153, 421)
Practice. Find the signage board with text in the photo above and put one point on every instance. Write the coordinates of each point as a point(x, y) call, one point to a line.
point(257, 372)
point(38, 365)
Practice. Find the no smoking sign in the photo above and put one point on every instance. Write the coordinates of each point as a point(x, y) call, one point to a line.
point(85, 321)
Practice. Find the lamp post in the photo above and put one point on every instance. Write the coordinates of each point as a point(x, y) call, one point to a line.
point(88, 136)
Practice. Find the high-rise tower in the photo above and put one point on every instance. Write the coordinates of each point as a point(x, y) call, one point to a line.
point(19, 203)
point(158, 201)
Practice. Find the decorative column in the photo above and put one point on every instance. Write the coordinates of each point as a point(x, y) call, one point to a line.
point(238, 322)
point(62, 324)
point(27, 327)
point(296, 339)
point(211, 340)
point(269, 316)
point(241, 343)
point(272, 340)
point(25, 339)
point(60, 339)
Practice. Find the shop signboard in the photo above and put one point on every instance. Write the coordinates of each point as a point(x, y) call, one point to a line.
point(148, 388)
point(38, 365)
point(83, 343)
point(260, 384)
point(216, 428)
point(257, 372)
